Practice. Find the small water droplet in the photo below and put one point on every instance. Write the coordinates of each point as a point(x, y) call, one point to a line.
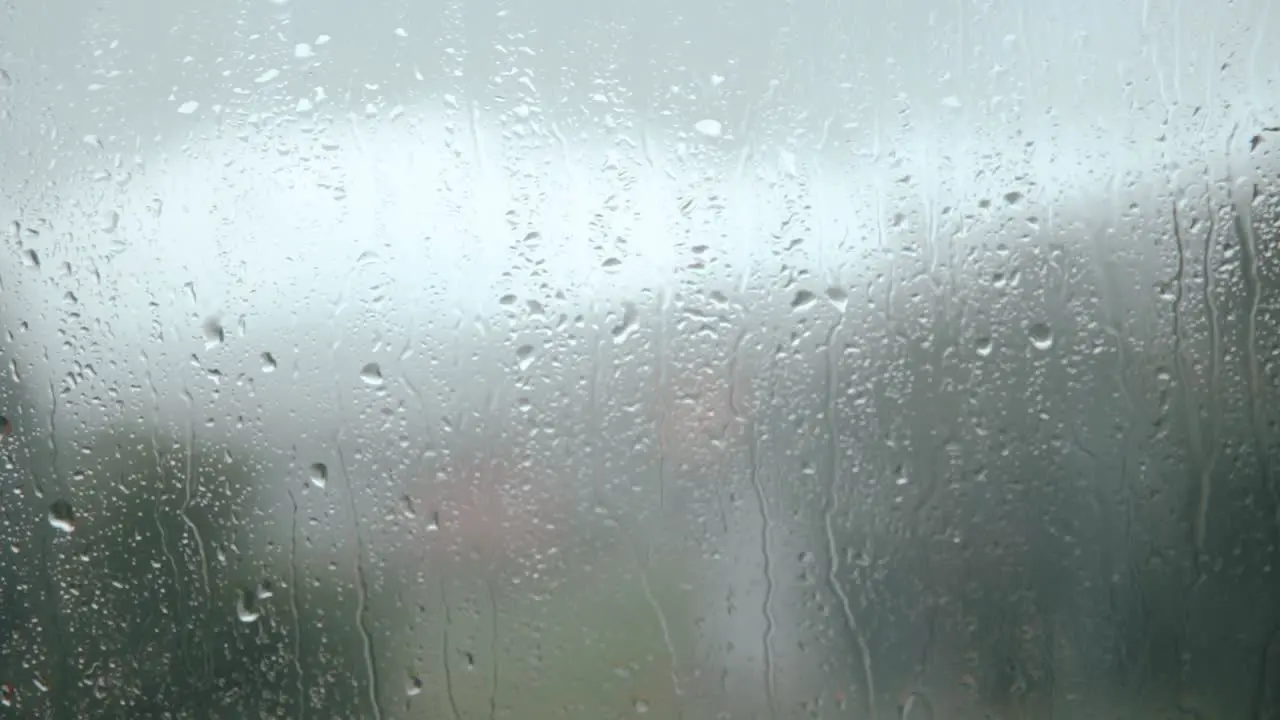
point(319, 474)
point(1041, 336)
point(709, 127)
point(414, 686)
point(268, 362)
point(31, 259)
point(628, 325)
point(525, 356)
point(213, 333)
point(802, 300)
point(641, 706)
point(62, 517)
point(983, 346)
point(188, 107)
point(371, 374)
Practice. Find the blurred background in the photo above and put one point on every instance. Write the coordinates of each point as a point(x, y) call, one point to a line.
point(873, 360)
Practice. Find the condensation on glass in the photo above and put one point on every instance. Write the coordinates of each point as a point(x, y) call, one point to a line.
point(592, 360)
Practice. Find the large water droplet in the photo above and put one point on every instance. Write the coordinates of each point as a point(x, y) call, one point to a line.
point(983, 346)
point(371, 374)
point(1041, 336)
point(268, 362)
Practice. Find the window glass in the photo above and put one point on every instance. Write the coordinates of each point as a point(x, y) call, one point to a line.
point(546, 359)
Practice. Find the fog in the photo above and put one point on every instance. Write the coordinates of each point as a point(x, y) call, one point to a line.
point(405, 403)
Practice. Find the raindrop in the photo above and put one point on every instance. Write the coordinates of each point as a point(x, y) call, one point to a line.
point(213, 333)
point(31, 259)
point(246, 607)
point(709, 127)
point(624, 329)
point(1041, 336)
point(525, 357)
point(839, 298)
point(983, 346)
point(371, 374)
point(319, 474)
point(268, 362)
point(641, 706)
point(302, 50)
point(414, 686)
point(802, 300)
point(188, 107)
point(62, 517)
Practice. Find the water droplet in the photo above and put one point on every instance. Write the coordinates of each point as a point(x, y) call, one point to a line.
point(31, 259)
point(302, 50)
point(525, 356)
point(371, 374)
point(414, 686)
point(1041, 336)
point(62, 517)
point(268, 362)
point(983, 346)
point(839, 298)
point(188, 107)
point(246, 607)
point(709, 127)
point(641, 706)
point(624, 329)
point(802, 300)
point(319, 474)
point(213, 333)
